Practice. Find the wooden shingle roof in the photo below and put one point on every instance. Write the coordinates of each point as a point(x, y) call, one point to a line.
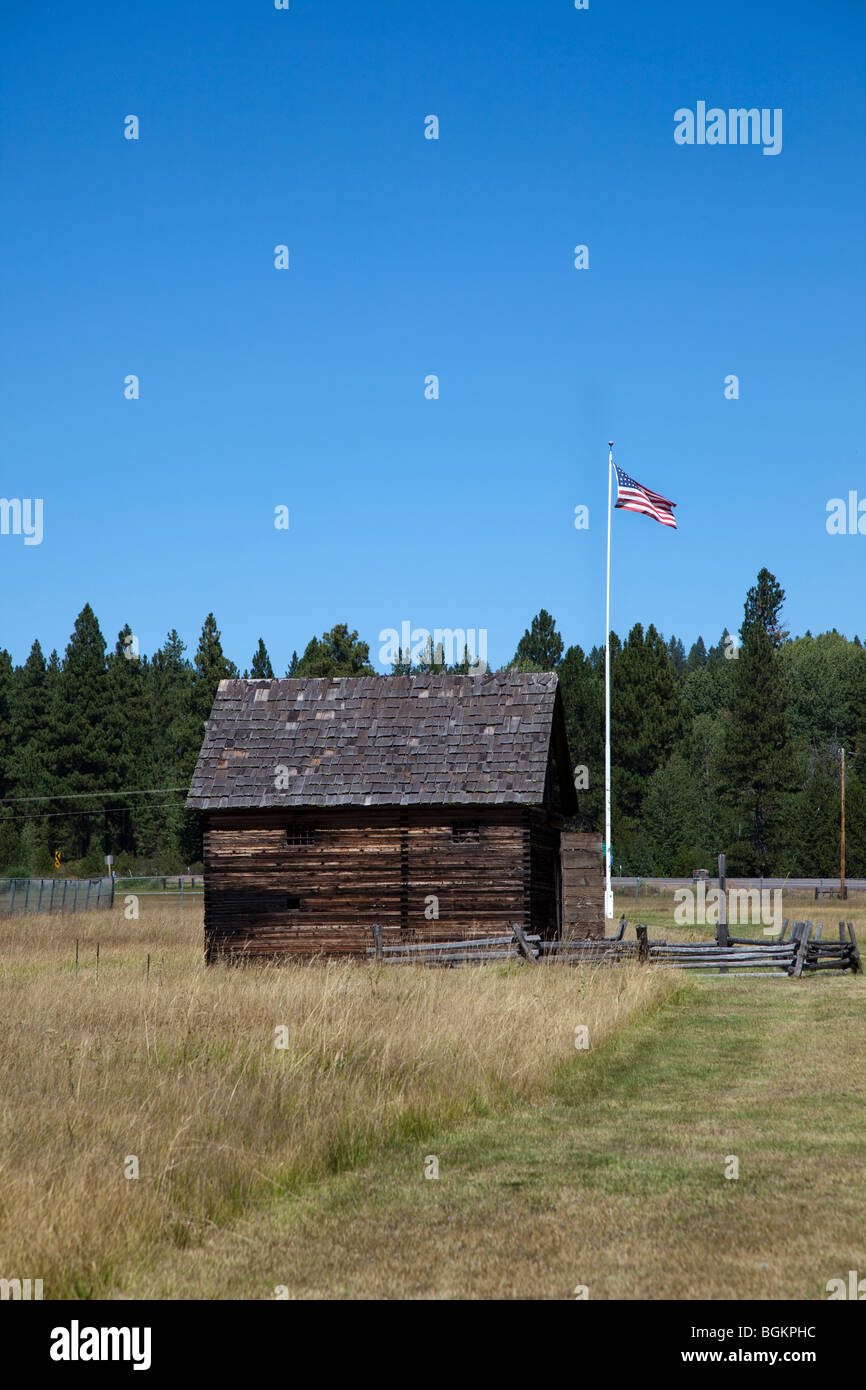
point(382, 741)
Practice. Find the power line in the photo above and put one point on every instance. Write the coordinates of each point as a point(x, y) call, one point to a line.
point(106, 791)
point(58, 815)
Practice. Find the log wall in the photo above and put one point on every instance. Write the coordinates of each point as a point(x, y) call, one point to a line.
point(582, 885)
point(545, 895)
point(321, 888)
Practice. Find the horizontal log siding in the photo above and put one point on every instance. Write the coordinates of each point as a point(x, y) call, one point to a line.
point(363, 867)
point(582, 885)
point(544, 852)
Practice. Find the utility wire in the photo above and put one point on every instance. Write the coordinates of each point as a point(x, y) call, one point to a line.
point(106, 791)
point(62, 815)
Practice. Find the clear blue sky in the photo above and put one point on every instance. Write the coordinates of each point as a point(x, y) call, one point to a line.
point(409, 257)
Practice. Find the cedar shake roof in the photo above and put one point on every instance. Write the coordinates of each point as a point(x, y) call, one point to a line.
point(383, 741)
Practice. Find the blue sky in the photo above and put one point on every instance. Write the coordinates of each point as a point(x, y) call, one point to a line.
point(411, 257)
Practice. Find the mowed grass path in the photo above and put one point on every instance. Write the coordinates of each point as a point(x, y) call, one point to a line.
point(616, 1181)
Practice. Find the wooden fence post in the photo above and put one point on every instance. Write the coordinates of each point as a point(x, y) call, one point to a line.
point(800, 959)
point(722, 925)
point(642, 942)
point(377, 939)
point(523, 945)
point(858, 968)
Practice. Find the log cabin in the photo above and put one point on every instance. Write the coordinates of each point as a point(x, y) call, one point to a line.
point(430, 804)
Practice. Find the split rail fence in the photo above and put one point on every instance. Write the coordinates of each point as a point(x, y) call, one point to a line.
point(803, 952)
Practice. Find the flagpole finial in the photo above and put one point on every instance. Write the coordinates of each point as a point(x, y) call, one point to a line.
point(610, 443)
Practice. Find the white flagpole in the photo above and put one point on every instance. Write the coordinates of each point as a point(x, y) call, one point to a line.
point(608, 853)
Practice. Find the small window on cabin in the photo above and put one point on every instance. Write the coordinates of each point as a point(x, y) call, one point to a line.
point(292, 902)
point(465, 830)
point(300, 835)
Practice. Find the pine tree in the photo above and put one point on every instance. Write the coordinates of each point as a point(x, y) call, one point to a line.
point(130, 750)
point(78, 757)
point(583, 703)
point(29, 716)
point(813, 816)
point(758, 770)
point(261, 668)
point(645, 716)
point(857, 715)
point(7, 756)
point(339, 653)
point(697, 656)
point(540, 648)
point(703, 747)
point(669, 815)
point(855, 824)
point(211, 667)
point(677, 654)
point(176, 737)
point(824, 673)
point(28, 698)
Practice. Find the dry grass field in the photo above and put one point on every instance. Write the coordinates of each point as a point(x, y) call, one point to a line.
point(178, 1069)
point(618, 1180)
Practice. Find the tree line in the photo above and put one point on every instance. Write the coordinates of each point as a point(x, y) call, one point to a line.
point(736, 747)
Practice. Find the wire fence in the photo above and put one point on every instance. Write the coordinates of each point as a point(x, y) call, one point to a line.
point(29, 896)
point(820, 888)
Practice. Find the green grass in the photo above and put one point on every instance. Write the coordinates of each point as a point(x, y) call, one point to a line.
point(616, 1181)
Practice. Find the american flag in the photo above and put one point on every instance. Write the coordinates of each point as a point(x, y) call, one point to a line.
point(632, 497)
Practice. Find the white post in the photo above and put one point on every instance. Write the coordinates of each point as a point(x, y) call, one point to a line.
point(608, 853)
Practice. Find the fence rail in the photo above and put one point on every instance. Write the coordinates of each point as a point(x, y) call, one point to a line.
point(477, 951)
point(802, 953)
